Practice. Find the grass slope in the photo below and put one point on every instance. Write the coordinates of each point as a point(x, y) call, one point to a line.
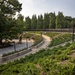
point(58, 61)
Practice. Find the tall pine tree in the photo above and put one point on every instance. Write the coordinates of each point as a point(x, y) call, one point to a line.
point(60, 20)
point(46, 21)
point(52, 23)
point(40, 22)
point(34, 22)
point(28, 22)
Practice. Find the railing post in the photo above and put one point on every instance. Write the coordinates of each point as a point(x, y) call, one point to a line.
point(14, 46)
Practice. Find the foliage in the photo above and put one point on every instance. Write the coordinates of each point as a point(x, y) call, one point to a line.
point(60, 39)
point(9, 28)
point(28, 23)
point(40, 22)
point(52, 34)
point(37, 39)
point(48, 62)
point(60, 20)
point(34, 22)
point(27, 35)
point(52, 23)
point(46, 21)
point(49, 21)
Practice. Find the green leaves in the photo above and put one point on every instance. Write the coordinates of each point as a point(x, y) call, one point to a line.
point(46, 21)
point(28, 23)
point(54, 61)
point(9, 27)
point(34, 22)
point(52, 21)
point(60, 20)
point(40, 22)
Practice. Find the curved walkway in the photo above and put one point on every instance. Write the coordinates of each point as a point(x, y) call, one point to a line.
point(17, 46)
point(43, 46)
point(34, 50)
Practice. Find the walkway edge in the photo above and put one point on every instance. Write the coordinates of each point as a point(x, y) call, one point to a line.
point(23, 53)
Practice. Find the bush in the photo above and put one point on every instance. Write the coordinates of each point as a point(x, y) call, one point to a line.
point(72, 47)
point(49, 61)
point(60, 39)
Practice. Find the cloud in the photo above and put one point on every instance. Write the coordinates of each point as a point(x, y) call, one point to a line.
point(31, 7)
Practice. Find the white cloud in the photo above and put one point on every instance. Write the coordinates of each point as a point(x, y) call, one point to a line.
point(31, 7)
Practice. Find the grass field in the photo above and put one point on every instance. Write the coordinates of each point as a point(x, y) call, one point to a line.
point(58, 61)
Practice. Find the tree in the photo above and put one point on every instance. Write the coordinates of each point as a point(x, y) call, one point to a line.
point(46, 21)
point(40, 22)
point(20, 17)
point(28, 22)
point(52, 23)
point(60, 20)
point(34, 22)
point(21, 26)
point(20, 23)
point(8, 9)
point(68, 20)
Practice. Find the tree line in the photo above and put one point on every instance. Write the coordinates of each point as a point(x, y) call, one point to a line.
point(49, 21)
point(11, 28)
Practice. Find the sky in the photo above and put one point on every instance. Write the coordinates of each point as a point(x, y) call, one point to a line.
point(30, 7)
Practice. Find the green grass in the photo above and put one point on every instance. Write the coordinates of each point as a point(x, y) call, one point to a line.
point(37, 39)
point(49, 62)
point(58, 38)
point(33, 35)
point(46, 61)
point(61, 39)
point(27, 35)
point(51, 34)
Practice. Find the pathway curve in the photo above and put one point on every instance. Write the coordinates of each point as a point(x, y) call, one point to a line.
point(47, 41)
point(34, 50)
point(18, 46)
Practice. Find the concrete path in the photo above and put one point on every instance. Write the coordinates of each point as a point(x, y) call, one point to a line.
point(44, 46)
point(34, 50)
point(18, 46)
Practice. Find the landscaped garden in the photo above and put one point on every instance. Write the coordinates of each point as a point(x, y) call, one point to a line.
point(56, 61)
point(14, 27)
point(36, 38)
point(59, 38)
point(52, 34)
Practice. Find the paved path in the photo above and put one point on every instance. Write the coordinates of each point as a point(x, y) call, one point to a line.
point(34, 50)
point(44, 46)
point(18, 47)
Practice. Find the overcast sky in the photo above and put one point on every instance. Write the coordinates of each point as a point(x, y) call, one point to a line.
point(30, 7)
